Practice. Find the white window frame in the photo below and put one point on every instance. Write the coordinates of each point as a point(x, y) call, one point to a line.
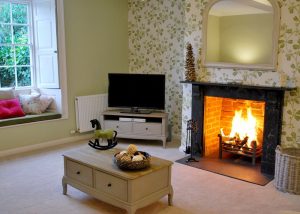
point(30, 43)
point(62, 65)
point(60, 94)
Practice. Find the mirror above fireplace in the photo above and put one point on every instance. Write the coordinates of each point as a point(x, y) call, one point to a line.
point(240, 34)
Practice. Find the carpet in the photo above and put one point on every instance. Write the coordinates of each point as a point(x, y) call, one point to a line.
point(31, 183)
point(232, 166)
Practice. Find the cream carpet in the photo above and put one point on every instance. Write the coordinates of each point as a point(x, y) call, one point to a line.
point(31, 184)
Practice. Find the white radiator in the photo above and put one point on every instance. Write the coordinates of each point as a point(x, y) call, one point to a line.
point(88, 108)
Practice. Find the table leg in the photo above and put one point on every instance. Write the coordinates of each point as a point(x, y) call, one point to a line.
point(64, 185)
point(164, 142)
point(170, 196)
point(131, 210)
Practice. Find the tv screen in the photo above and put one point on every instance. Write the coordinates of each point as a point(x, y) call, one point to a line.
point(145, 91)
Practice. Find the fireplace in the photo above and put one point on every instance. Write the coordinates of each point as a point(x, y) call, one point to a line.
point(215, 105)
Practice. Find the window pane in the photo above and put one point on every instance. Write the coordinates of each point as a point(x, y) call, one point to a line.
point(22, 55)
point(4, 12)
point(7, 77)
point(6, 55)
point(24, 76)
point(19, 13)
point(5, 34)
point(20, 34)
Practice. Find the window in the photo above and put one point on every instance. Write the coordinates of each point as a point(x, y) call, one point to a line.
point(32, 48)
point(15, 44)
point(28, 44)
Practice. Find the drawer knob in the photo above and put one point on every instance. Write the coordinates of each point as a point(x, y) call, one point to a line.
point(78, 172)
point(109, 184)
point(146, 128)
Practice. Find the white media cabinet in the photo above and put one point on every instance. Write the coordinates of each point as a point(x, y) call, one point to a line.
point(151, 126)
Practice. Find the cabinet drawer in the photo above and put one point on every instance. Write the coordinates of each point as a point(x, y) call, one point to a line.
point(112, 185)
point(147, 128)
point(79, 172)
point(120, 127)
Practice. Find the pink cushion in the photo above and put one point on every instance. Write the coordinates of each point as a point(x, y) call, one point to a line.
point(10, 108)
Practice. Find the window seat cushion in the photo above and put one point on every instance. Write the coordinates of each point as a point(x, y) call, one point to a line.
point(30, 118)
point(10, 109)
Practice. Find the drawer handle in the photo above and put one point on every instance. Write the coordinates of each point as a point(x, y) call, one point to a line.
point(117, 127)
point(78, 172)
point(109, 184)
point(146, 128)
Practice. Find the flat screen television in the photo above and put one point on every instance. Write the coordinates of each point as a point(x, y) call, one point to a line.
point(136, 91)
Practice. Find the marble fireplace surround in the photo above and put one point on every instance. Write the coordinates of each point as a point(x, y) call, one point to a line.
point(273, 98)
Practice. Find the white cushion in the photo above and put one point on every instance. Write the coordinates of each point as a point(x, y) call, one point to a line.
point(7, 93)
point(29, 103)
point(45, 102)
point(35, 103)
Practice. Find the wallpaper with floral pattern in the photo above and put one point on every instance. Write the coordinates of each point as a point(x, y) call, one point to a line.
point(158, 32)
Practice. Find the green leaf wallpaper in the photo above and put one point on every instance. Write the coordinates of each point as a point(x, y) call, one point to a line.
point(158, 32)
point(156, 44)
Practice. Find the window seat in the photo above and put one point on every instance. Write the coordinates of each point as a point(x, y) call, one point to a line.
point(30, 118)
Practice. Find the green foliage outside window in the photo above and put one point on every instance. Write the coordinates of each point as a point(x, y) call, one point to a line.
point(15, 50)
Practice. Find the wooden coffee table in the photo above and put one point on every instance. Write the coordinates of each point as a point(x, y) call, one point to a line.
point(93, 172)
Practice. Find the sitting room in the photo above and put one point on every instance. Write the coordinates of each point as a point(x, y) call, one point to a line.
point(198, 101)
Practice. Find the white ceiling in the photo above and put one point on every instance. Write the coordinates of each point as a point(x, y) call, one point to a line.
point(240, 7)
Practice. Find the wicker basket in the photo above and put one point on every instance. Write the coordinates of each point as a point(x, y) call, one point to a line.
point(133, 165)
point(287, 170)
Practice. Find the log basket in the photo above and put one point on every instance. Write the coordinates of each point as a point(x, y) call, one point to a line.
point(287, 170)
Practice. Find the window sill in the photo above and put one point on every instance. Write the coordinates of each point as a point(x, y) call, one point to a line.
point(30, 119)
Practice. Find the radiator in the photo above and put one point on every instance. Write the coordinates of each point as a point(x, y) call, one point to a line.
point(88, 108)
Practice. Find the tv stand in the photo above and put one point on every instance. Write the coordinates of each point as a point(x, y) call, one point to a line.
point(146, 126)
point(136, 111)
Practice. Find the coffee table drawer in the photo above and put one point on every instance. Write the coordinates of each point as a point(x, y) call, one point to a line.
point(80, 172)
point(111, 185)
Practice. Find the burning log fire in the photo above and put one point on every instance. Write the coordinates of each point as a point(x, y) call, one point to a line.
point(243, 130)
point(243, 138)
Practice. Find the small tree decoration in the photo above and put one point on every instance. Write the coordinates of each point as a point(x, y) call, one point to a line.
point(190, 73)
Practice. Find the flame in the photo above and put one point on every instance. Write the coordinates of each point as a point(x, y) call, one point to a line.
point(244, 127)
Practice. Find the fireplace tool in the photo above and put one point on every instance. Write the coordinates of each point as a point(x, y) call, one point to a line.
point(190, 138)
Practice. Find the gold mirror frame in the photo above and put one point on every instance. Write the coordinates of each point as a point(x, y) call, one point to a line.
point(267, 67)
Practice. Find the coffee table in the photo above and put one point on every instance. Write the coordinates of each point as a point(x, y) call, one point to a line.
point(93, 172)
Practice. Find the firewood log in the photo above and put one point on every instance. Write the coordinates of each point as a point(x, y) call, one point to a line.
point(243, 142)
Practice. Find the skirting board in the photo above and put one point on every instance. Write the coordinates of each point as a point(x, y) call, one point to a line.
point(44, 145)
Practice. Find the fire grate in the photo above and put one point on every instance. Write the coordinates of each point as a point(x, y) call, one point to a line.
point(239, 147)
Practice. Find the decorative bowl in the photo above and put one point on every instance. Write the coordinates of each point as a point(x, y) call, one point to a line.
point(133, 165)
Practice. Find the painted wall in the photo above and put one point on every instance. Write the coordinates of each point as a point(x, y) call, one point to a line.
point(156, 29)
point(96, 43)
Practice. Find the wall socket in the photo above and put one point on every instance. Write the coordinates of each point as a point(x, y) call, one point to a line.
point(72, 131)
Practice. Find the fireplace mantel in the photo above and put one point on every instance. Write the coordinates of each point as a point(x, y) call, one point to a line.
point(237, 85)
point(273, 98)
